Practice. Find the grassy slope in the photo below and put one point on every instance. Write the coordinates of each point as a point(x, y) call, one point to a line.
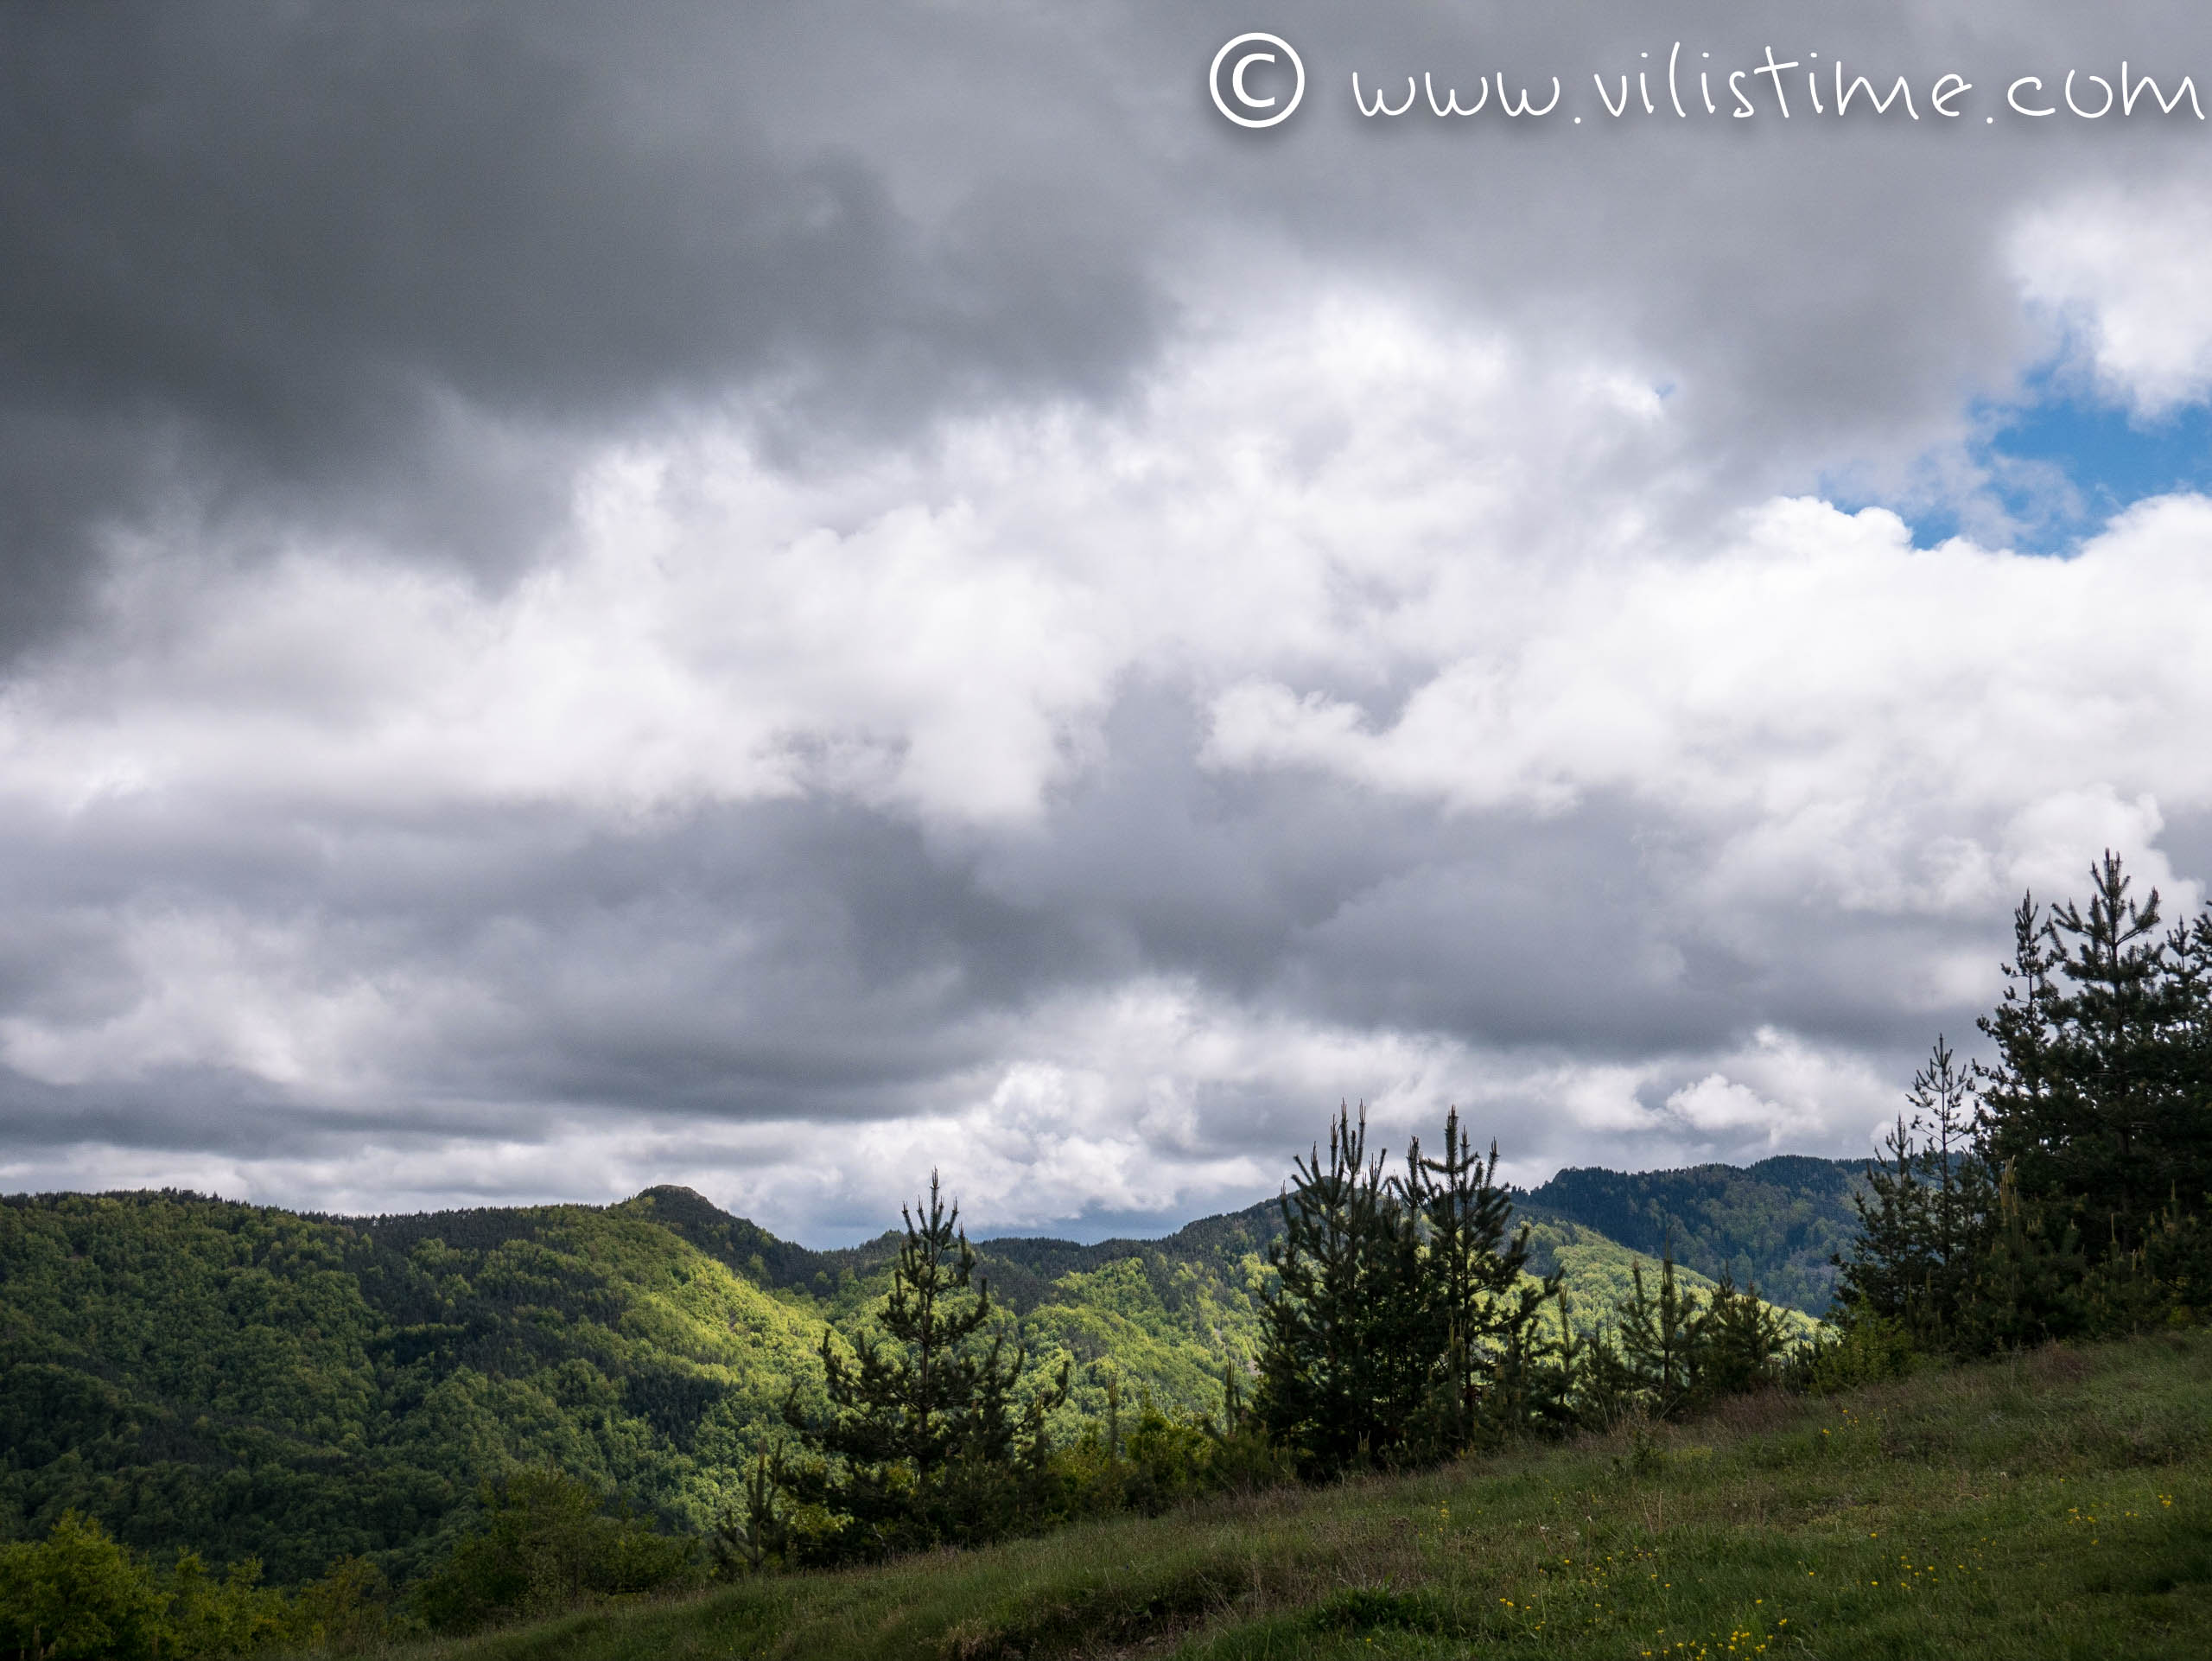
point(2056, 1505)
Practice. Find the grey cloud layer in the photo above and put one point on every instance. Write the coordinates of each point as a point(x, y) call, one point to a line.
point(248, 247)
point(310, 308)
point(251, 255)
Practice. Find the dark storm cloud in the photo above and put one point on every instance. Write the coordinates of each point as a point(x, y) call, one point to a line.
point(223, 1111)
point(787, 958)
point(259, 249)
point(1304, 893)
point(251, 254)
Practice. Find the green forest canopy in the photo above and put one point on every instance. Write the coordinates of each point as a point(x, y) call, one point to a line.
point(250, 1382)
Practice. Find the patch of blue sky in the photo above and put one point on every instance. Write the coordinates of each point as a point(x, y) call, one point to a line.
point(2052, 466)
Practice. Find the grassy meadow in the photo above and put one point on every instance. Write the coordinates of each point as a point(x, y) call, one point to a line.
point(2054, 1504)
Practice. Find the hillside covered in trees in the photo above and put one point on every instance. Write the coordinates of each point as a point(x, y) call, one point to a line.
point(253, 1383)
point(1780, 1223)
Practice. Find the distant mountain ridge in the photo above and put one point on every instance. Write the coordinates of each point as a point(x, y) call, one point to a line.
point(1777, 1222)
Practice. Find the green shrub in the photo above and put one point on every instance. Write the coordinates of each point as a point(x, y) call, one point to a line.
point(348, 1609)
point(547, 1543)
point(1863, 1351)
point(79, 1593)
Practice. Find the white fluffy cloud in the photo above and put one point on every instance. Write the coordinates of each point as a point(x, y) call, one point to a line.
point(1343, 491)
point(2122, 270)
point(1900, 727)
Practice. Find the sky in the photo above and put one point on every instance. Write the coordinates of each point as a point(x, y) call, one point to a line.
point(776, 596)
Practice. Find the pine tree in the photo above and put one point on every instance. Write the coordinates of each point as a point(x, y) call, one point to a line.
point(1961, 1200)
point(1303, 1400)
point(1601, 1389)
point(754, 1530)
point(2060, 1190)
point(1352, 1339)
point(928, 1442)
point(1402, 1328)
point(2100, 1100)
point(1926, 1215)
point(2029, 1289)
point(1311, 1392)
point(1890, 1259)
point(1745, 1339)
point(1664, 1338)
point(1491, 1340)
point(1527, 1382)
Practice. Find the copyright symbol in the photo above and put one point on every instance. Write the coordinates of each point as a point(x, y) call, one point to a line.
point(1242, 104)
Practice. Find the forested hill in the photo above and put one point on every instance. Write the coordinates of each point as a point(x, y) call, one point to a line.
point(250, 1382)
point(1777, 1223)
